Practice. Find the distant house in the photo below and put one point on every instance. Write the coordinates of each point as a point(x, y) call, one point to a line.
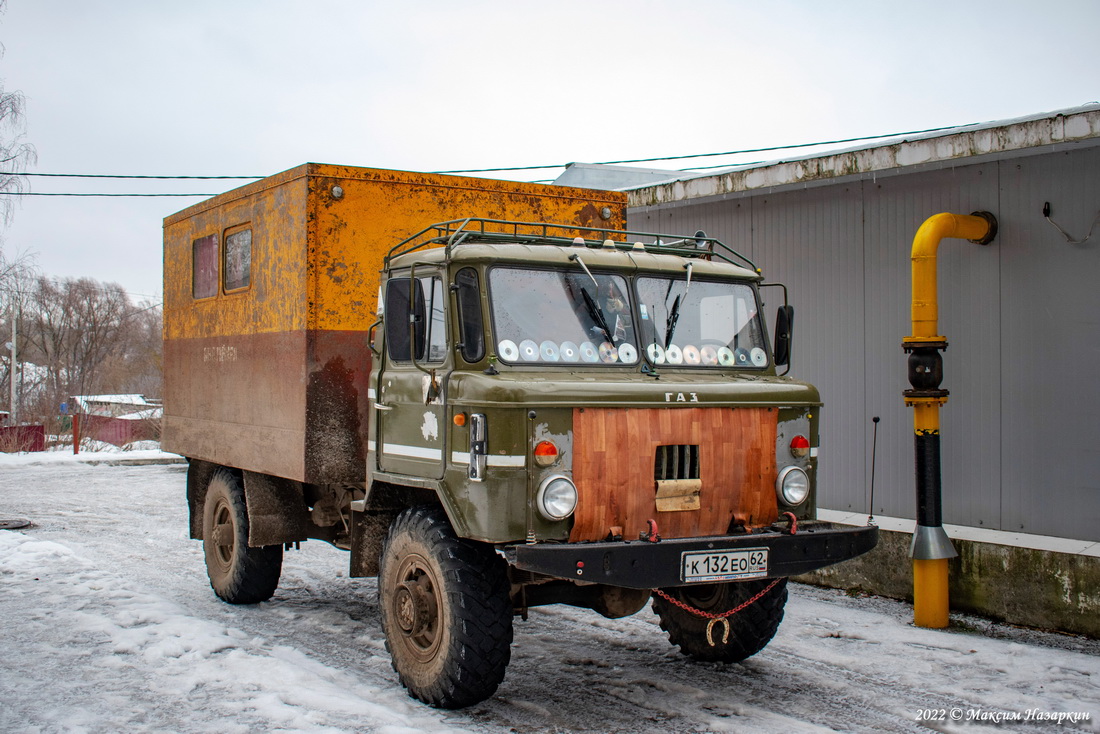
point(112, 406)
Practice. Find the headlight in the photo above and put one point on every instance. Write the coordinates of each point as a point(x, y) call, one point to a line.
point(557, 498)
point(792, 486)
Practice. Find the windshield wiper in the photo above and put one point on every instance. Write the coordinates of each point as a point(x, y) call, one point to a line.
point(673, 317)
point(593, 310)
point(674, 313)
point(597, 315)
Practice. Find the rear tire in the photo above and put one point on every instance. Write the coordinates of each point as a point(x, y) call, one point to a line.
point(446, 612)
point(238, 574)
point(750, 630)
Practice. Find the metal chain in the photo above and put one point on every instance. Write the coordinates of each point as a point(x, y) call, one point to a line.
point(715, 618)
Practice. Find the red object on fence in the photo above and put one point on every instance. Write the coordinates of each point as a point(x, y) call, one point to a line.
point(117, 431)
point(23, 438)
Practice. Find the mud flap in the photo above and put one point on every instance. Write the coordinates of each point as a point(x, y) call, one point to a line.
point(368, 535)
point(276, 510)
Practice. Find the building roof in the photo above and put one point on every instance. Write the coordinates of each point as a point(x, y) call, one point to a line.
point(1040, 133)
point(84, 402)
point(601, 176)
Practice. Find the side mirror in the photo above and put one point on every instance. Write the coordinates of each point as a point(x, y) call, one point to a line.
point(370, 337)
point(784, 324)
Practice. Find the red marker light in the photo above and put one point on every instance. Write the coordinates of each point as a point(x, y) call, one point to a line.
point(800, 447)
point(546, 453)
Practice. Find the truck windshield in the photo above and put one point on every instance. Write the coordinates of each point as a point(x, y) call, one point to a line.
point(553, 316)
point(705, 324)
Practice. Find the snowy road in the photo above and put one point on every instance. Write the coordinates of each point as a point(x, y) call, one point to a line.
point(107, 624)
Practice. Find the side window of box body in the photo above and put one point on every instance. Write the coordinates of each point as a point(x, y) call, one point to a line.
point(237, 258)
point(204, 267)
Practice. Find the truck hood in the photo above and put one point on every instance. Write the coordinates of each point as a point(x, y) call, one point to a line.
point(626, 390)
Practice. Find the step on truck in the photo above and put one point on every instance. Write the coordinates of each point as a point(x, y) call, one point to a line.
point(495, 397)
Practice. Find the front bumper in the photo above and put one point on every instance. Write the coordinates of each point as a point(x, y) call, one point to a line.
point(639, 564)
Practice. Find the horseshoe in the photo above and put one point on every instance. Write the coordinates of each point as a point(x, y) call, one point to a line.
point(725, 630)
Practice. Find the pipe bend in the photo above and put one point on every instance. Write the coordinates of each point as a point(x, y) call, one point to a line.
point(932, 230)
point(945, 224)
point(926, 242)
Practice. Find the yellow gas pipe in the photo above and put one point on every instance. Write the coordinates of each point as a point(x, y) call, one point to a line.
point(931, 547)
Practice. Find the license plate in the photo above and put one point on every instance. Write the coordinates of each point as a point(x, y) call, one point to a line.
point(748, 563)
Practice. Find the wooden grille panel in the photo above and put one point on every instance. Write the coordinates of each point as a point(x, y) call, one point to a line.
point(676, 462)
point(614, 451)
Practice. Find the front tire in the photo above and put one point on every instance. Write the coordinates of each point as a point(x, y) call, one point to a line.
point(446, 612)
point(750, 630)
point(238, 574)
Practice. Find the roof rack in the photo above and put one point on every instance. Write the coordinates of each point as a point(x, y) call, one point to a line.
point(476, 230)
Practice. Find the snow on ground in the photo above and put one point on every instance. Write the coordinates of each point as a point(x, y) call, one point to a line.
point(107, 623)
point(92, 452)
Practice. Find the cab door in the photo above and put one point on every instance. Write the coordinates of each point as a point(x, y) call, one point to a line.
point(409, 402)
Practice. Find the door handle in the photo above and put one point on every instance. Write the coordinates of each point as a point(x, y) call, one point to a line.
point(380, 406)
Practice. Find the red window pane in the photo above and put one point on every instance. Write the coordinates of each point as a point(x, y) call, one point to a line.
point(204, 259)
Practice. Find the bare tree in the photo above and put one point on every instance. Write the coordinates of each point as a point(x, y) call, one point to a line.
point(17, 276)
point(15, 154)
point(135, 365)
point(15, 271)
point(84, 338)
point(73, 328)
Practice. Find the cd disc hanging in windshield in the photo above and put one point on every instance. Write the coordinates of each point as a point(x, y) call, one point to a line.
point(709, 355)
point(655, 353)
point(570, 352)
point(548, 350)
point(588, 352)
point(528, 350)
point(691, 354)
point(608, 352)
point(759, 357)
point(627, 353)
point(725, 356)
point(509, 352)
point(674, 355)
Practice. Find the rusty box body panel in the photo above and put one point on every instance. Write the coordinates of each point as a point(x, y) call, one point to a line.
point(272, 377)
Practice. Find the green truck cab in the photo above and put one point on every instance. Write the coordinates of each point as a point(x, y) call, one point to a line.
point(602, 424)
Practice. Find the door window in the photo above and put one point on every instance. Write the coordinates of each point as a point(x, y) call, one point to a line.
point(415, 319)
point(470, 324)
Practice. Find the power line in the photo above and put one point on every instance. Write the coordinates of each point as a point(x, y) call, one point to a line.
point(111, 175)
point(37, 193)
point(783, 147)
point(711, 155)
point(772, 148)
point(513, 168)
point(722, 165)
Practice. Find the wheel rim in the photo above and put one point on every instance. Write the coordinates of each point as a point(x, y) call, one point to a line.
point(704, 597)
point(415, 606)
point(223, 538)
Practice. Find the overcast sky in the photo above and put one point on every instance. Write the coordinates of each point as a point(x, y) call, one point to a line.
point(253, 87)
